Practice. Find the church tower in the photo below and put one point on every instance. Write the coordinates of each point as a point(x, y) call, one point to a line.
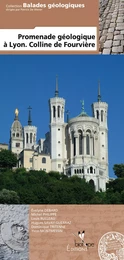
point(100, 111)
point(57, 130)
point(30, 133)
point(16, 135)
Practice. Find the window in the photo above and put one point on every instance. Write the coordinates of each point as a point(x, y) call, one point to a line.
point(102, 116)
point(59, 166)
point(80, 142)
point(58, 111)
point(74, 146)
point(30, 160)
point(103, 158)
point(102, 133)
point(58, 129)
point(13, 134)
point(30, 138)
point(59, 154)
point(54, 111)
point(75, 171)
point(80, 170)
point(58, 142)
point(43, 160)
point(27, 138)
point(102, 145)
point(17, 135)
point(97, 114)
point(87, 145)
point(91, 169)
point(17, 144)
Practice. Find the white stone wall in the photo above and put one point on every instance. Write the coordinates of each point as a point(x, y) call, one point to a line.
point(27, 131)
point(57, 133)
point(92, 164)
point(103, 133)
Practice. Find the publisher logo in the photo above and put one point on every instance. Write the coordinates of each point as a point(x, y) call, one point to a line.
point(111, 246)
point(79, 242)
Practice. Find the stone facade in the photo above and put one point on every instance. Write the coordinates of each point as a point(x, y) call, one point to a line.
point(32, 160)
point(76, 147)
point(80, 146)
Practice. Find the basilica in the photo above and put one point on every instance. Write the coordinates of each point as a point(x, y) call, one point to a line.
point(78, 146)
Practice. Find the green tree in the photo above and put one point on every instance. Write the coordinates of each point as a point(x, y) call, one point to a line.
point(119, 170)
point(9, 197)
point(7, 159)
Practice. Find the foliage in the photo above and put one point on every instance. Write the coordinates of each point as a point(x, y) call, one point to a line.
point(119, 170)
point(9, 197)
point(7, 159)
point(39, 187)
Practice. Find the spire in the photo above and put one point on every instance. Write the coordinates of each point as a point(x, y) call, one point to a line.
point(82, 102)
point(99, 95)
point(29, 116)
point(83, 113)
point(16, 113)
point(56, 90)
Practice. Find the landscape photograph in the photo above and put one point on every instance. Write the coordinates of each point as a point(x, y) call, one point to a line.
point(62, 129)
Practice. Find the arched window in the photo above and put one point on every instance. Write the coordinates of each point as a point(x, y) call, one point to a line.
point(30, 138)
point(58, 111)
point(91, 169)
point(102, 116)
point(26, 138)
point(17, 135)
point(13, 134)
point(80, 142)
point(75, 171)
point(97, 114)
point(54, 111)
point(87, 144)
point(74, 146)
point(80, 170)
point(43, 160)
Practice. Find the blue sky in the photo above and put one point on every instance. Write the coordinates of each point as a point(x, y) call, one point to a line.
point(30, 80)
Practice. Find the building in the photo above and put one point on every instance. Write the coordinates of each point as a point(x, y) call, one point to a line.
point(3, 146)
point(80, 146)
point(76, 147)
point(33, 160)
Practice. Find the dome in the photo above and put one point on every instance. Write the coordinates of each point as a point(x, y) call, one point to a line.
point(83, 114)
point(16, 125)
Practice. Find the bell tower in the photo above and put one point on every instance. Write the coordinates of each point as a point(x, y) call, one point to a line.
point(57, 130)
point(30, 133)
point(16, 135)
point(100, 112)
